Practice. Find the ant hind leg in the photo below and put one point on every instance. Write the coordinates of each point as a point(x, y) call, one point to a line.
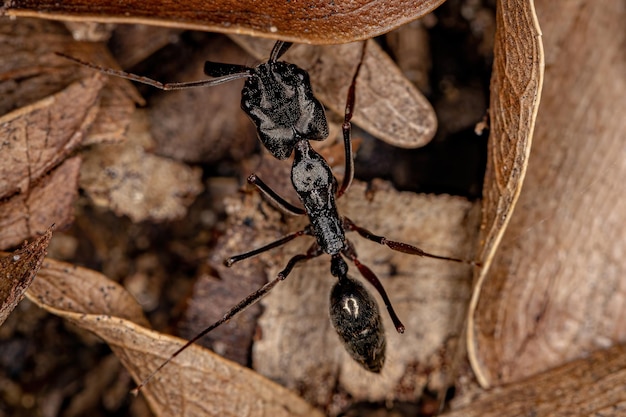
point(400, 246)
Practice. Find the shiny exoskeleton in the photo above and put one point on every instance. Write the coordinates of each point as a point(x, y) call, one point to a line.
point(278, 98)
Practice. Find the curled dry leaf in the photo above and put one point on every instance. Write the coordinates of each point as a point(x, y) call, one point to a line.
point(387, 105)
point(305, 22)
point(197, 383)
point(515, 92)
point(133, 182)
point(556, 287)
point(17, 271)
point(429, 295)
point(593, 386)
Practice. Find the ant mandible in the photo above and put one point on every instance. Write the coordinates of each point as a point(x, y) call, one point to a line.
point(278, 98)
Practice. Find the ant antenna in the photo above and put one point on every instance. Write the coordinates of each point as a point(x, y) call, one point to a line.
point(242, 72)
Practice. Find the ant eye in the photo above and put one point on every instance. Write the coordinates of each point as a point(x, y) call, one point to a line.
point(356, 319)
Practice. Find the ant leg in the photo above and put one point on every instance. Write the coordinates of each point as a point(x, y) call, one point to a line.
point(277, 200)
point(399, 246)
point(237, 258)
point(280, 47)
point(347, 127)
point(240, 307)
point(251, 299)
point(369, 275)
point(157, 84)
point(313, 252)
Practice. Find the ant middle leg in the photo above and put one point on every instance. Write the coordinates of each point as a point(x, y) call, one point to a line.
point(278, 201)
point(288, 238)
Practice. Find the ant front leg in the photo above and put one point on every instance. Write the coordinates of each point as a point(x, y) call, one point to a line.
point(346, 128)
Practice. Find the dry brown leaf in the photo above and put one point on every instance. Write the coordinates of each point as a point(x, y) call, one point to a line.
point(117, 105)
point(555, 290)
point(429, 295)
point(310, 22)
point(39, 136)
point(131, 181)
point(30, 71)
point(50, 105)
point(73, 289)
point(387, 104)
point(17, 271)
point(49, 201)
point(197, 383)
point(593, 386)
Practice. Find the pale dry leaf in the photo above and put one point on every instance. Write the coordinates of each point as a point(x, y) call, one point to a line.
point(300, 349)
point(133, 182)
point(592, 386)
point(197, 383)
point(556, 287)
point(50, 200)
point(387, 104)
point(306, 22)
point(17, 271)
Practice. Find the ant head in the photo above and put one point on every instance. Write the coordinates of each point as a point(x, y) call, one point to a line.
point(356, 318)
point(279, 99)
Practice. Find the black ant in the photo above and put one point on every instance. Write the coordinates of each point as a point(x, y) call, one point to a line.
point(278, 97)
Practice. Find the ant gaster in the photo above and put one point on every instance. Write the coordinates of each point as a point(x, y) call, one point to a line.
point(278, 97)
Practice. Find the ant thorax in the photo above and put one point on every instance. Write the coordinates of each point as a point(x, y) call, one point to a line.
point(316, 186)
point(279, 99)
